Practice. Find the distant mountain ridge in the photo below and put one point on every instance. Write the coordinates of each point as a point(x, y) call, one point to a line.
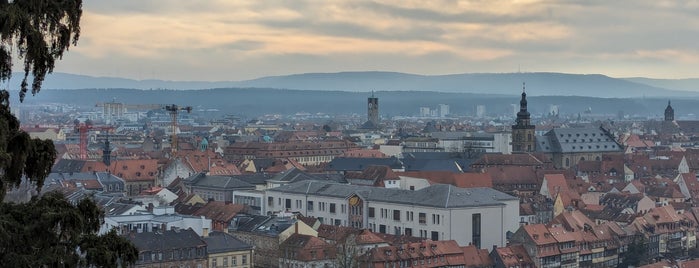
point(537, 84)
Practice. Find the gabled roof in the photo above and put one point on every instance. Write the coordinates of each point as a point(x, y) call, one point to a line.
point(514, 256)
point(307, 248)
point(475, 257)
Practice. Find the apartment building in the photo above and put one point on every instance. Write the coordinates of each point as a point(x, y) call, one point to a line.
point(477, 216)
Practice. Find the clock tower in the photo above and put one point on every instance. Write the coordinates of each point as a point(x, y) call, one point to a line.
point(523, 131)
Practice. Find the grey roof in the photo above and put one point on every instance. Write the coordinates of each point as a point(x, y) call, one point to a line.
point(218, 242)
point(168, 240)
point(358, 164)
point(437, 195)
point(294, 175)
point(255, 178)
point(68, 166)
point(434, 161)
point(219, 182)
point(577, 140)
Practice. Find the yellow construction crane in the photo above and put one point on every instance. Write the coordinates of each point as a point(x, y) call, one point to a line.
point(174, 111)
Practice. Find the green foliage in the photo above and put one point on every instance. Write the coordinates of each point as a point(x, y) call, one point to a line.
point(47, 231)
point(636, 253)
point(38, 31)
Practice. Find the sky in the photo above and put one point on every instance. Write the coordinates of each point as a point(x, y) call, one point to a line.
point(223, 40)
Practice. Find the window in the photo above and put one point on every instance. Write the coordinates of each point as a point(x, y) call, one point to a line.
point(245, 260)
point(310, 206)
point(225, 261)
point(332, 207)
point(287, 203)
point(435, 236)
point(234, 261)
point(343, 208)
point(409, 231)
point(396, 215)
point(371, 212)
point(213, 263)
point(476, 229)
point(422, 218)
point(338, 222)
point(435, 219)
point(382, 228)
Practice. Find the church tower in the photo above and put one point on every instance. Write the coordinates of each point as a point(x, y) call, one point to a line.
point(373, 109)
point(669, 112)
point(523, 131)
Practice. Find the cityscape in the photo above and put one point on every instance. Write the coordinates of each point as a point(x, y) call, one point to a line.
point(343, 135)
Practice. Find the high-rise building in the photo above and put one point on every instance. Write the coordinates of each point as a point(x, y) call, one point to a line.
point(480, 111)
point(523, 131)
point(424, 111)
point(443, 110)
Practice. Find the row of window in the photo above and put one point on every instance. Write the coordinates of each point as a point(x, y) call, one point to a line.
point(409, 216)
point(224, 261)
point(176, 254)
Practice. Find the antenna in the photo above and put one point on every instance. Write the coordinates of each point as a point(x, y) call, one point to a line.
point(523, 86)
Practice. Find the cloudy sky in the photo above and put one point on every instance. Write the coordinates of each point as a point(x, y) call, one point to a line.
point(218, 40)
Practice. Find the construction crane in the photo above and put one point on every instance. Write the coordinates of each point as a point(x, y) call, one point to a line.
point(174, 111)
point(83, 128)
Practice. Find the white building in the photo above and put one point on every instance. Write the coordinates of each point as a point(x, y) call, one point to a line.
point(443, 110)
point(480, 111)
point(479, 216)
point(425, 111)
point(162, 219)
point(498, 142)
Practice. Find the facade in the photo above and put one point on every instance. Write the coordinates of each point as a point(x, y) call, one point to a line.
point(474, 142)
point(477, 216)
point(523, 136)
point(304, 153)
point(227, 251)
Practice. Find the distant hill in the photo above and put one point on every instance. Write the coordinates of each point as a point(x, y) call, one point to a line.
point(250, 102)
point(687, 84)
point(538, 84)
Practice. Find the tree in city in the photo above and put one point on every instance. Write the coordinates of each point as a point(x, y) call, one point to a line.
point(47, 231)
point(636, 254)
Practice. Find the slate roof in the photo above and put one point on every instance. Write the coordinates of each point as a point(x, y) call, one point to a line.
point(437, 195)
point(437, 161)
point(219, 182)
point(358, 164)
point(165, 241)
point(219, 242)
point(577, 140)
point(68, 166)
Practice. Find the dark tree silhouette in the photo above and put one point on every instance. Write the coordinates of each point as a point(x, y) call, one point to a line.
point(47, 231)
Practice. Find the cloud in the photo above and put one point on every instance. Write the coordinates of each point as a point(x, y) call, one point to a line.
point(232, 40)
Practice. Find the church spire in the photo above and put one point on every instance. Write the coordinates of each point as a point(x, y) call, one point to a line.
point(669, 112)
